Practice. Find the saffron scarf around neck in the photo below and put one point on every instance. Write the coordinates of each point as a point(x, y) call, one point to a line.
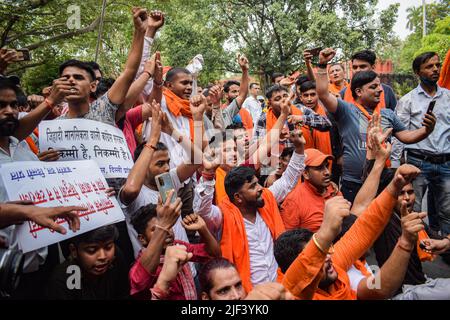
point(220, 192)
point(234, 242)
point(321, 140)
point(339, 290)
point(349, 98)
point(179, 107)
point(271, 119)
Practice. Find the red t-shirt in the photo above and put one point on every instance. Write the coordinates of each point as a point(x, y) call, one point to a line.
point(141, 281)
point(133, 118)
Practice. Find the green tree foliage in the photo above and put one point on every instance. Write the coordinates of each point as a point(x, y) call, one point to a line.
point(438, 22)
point(272, 33)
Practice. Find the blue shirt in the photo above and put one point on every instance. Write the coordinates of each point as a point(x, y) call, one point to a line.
point(352, 124)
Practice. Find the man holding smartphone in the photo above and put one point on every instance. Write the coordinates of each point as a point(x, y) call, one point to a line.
point(431, 155)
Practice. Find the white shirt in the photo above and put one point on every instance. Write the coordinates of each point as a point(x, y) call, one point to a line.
point(177, 154)
point(147, 196)
point(19, 151)
point(355, 276)
point(263, 266)
point(411, 109)
point(254, 107)
point(260, 242)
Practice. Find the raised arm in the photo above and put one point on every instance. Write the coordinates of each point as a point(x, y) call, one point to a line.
point(168, 214)
point(136, 89)
point(187, 169)
point(59, 90)
point(328, 100)
point(174, 259)
point(307, 56)
point(130, 191)
point(119, 89)
point(204, 194)
point(303, 276)
point(156, 93)
point(368, 227)
point(377, 152)
point(243, 89)
point(195, 222)
point(260, 149)
point(294, 170)
point(393, 271)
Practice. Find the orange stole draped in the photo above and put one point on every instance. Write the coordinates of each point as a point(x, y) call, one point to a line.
point(234, 243)
point(31, 142)
point(271, 119)
point(349, 98)
point(321, 140)
point(335, 90)
point(423, 256)
point(220, 192)
point(444, 79)
point(339, 290)
point(246, 118)
point(179, 107)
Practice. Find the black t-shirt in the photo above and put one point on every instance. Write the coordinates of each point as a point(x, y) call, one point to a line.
point(112, 285)
point(385, 244)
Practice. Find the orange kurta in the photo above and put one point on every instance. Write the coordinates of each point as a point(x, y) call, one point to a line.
point(179, 107)
point(304, 275)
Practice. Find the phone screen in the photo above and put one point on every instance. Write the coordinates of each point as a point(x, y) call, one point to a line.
point(22, 55)
point(165, 185)
point(431, 106)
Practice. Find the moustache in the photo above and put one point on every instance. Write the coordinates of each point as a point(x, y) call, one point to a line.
point(8, 126)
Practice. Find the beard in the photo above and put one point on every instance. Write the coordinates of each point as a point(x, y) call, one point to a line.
point(428, 81)
point(8, 126)
point(259, 203)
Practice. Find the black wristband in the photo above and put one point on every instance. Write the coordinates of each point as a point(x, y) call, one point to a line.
point(322, 65)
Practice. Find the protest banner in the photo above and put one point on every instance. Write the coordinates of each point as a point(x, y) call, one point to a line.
point(82, 139)
point(52, 184)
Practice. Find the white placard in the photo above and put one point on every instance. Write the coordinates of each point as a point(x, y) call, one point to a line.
point(52, 184)
point(82, 139)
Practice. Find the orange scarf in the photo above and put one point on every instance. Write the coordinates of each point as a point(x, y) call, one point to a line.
point(335, 90)
point(321, 139)
point(234, 243)
point(220, 192)
point(271, 118)
point(423, 256)
point(361, 266)
point(349, 98)
point(246, 118)
point(369, 117)
point(339, 290)
point(31, 142)
point(444, 79)
point(179, 107)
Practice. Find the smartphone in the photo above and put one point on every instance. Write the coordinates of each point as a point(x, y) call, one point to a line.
point(22, 55)
point(431, 106)
point(291, 126)
point(165, 184)
point(315, 51)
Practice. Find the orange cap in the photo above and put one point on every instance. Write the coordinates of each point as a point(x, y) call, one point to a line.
point(315, 158)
